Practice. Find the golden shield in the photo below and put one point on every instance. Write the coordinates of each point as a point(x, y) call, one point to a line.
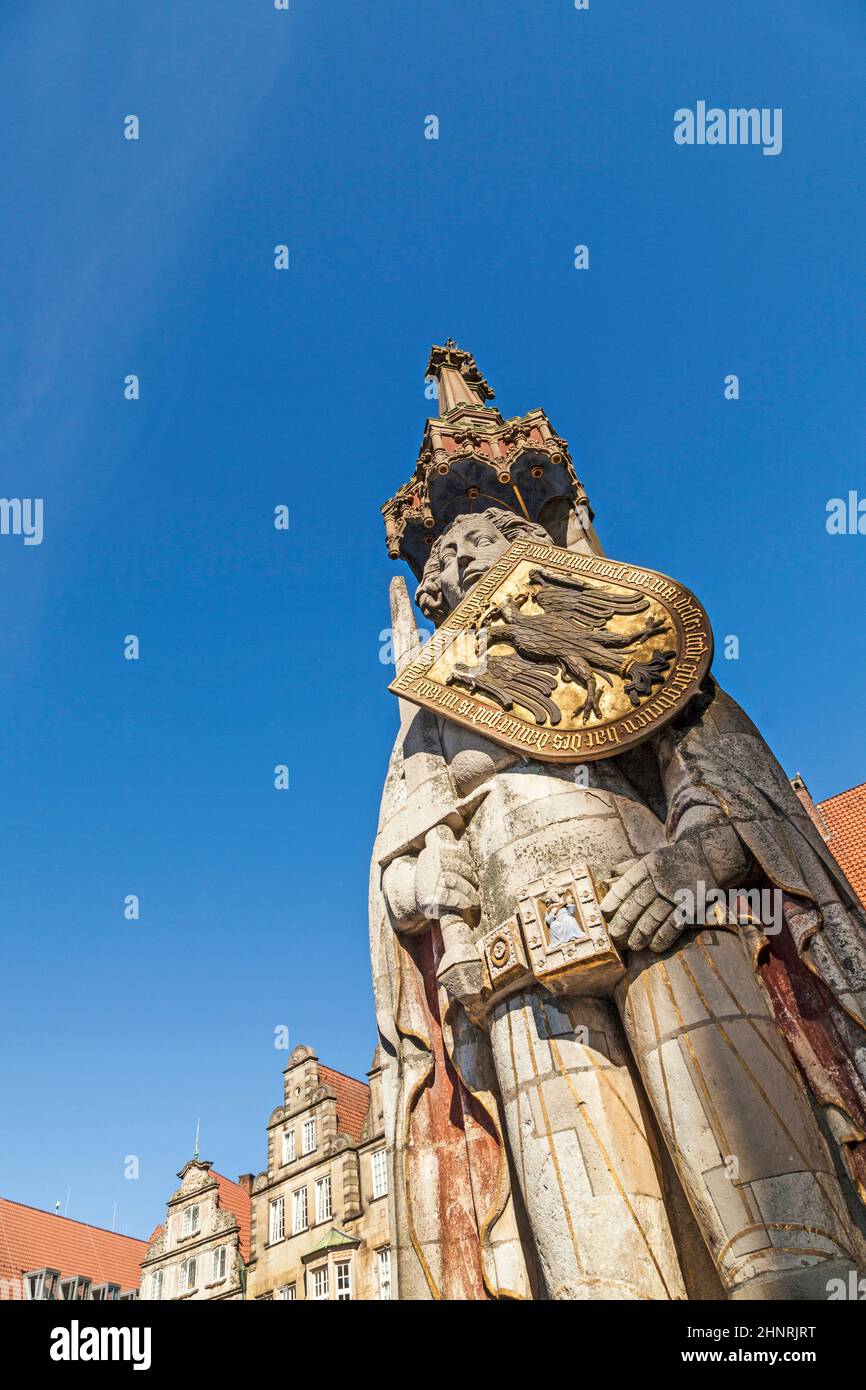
point(564, 657)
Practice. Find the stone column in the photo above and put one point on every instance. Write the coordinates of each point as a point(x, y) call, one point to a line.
point(580, 1151)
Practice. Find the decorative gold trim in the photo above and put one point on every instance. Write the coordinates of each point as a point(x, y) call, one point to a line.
point(785, 1226)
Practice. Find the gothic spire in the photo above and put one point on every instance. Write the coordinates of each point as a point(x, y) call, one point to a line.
point(458, 377)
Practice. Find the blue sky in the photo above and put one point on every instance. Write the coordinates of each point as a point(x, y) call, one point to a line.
point(306, 388)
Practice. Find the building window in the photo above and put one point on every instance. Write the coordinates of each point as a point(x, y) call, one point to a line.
point(320, 1282)
point(277, 1220)
point(190, 1221)
point(42, 1284)
point(75, 1289)
point(299, 1210)
point(344, 1281)
point(188, 1272)
point(323, 1199)
point(106, 1292)
point(287, 1293)
point(309, 1136)
point(288, 1146)
point(380, 1173)
point(384, 1263)
point(219, 1263)
point(157, 1279)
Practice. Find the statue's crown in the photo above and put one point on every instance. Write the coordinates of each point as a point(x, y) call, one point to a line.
point(472, 458)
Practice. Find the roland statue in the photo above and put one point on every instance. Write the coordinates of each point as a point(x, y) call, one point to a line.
point(590, 1091)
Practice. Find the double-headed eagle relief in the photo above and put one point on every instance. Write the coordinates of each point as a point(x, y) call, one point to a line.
point(566, 622)
point(568, 656)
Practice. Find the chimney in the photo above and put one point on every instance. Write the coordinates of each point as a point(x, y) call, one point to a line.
point(798, 784)
point(246, 1182)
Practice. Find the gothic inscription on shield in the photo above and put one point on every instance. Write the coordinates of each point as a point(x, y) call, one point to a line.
point(564, 657)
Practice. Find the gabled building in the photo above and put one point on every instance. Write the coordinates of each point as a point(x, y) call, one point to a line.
point(47, 1256)
point(202, 1249)
point(320, 1211)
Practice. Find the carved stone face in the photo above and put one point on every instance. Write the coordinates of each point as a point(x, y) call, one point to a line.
point(465, 553)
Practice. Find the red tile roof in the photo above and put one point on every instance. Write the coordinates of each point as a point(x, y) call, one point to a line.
point(845, 815)
point(353, 1100)
point(234, 1198)
point(34, 1239)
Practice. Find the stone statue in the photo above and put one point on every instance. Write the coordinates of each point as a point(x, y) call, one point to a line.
point(589, 1093)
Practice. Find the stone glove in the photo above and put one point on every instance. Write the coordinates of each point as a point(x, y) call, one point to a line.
point(446, 884)
point(398, 886)
point(648, 905)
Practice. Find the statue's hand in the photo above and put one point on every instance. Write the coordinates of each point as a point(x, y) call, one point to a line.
point(645, 906)
point(446, 883)
point(654, 899)
point(398, 886)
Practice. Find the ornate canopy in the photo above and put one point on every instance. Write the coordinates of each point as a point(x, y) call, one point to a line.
point(471, 458)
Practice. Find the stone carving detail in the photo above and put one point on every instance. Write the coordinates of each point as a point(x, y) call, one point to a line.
point(505, 955)
point(558, 938)
point(196, 1179)
point(157, 1245)
point(224, 1220)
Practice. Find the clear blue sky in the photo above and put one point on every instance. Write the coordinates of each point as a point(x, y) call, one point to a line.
point(306, 388)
